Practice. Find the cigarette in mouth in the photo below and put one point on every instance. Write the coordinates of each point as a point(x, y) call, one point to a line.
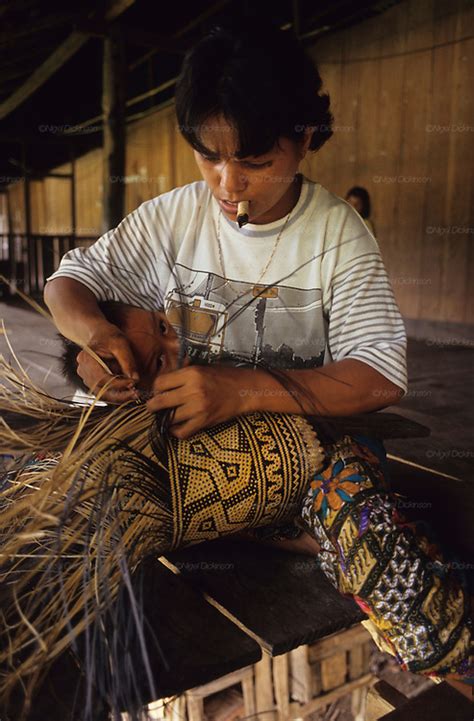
point(243, 213)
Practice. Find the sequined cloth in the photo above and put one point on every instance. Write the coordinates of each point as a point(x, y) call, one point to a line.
point(418, 604)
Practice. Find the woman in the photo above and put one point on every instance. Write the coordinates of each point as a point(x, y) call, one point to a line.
point(359, 198)
point(301, 289)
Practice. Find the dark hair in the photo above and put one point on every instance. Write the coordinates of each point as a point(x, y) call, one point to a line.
point(115, 313)
point(364, 196)
point(263, 83)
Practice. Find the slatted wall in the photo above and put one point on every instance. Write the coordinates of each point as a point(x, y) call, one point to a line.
point(400, 87)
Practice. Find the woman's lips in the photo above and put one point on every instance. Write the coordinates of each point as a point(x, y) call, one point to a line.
point(228, 207)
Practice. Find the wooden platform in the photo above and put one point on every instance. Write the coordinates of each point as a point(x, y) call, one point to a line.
point(280, 599)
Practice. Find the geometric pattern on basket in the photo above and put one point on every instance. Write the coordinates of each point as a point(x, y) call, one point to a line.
point(247, 472)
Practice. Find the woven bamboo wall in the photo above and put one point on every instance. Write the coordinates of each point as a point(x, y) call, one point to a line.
point(400, 91)
point(400, 86)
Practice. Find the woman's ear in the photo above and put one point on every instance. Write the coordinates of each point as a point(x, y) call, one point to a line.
point(305, 141)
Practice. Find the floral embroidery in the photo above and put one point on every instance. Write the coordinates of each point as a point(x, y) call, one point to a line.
point(334, 486)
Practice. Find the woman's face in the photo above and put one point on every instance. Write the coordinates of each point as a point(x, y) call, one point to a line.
point(356, 202)
point(268, 181)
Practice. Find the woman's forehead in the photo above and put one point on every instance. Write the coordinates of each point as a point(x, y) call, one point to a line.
point(219, 136)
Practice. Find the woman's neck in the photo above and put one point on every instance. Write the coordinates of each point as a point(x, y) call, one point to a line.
point(286, 203)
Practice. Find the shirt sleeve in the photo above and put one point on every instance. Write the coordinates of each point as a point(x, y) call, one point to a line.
point(364, 321)
point(121, 265)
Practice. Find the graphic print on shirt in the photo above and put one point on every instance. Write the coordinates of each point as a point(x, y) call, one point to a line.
point(236, 321)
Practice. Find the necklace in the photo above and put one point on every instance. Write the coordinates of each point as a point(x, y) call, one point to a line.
point(267, 265)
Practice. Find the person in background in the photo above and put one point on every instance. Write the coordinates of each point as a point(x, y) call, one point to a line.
point(359, 198)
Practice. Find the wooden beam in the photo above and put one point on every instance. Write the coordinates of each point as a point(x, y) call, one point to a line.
point(33, 138)
point(215, 7)
point(49, 22)
point(113, 108)
point(135, 36)
point(56, 60)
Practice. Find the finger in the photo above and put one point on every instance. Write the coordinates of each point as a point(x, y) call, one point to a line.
point(168, 399)
point(113, 391)
point(187, 422)
point(123, 353)
point(91, 371)
point(171, 380)
point(113, 384)
point(95, 381)
point(118, 396)
point(103, 378)
point(185, 430)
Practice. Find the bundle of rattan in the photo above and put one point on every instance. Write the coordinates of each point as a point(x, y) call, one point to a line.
point(109, 489)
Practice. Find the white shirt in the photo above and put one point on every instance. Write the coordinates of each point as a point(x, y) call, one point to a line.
point(331, 298)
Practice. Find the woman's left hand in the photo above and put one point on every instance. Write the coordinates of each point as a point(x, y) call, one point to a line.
point(201, 396)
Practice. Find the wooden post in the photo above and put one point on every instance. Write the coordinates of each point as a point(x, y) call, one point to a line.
point(281, 686)
point(30, 274)
point(113, 108)
point(72, 156)
point(265, 703)
point(12, 255)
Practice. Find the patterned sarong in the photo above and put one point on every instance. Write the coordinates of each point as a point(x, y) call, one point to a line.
point(418, 604)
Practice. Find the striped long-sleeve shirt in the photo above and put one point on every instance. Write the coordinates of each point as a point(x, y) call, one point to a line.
point(330, 297)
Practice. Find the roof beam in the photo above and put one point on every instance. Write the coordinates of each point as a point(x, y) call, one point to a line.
point(214, 8)
point(57, 59)
point(135, 36)
point(49, 22)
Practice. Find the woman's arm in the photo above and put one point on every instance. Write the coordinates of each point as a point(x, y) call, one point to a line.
point(78, 317)
point(74, 309)
point(203, 396)
point(341, 388)
point(119, 266)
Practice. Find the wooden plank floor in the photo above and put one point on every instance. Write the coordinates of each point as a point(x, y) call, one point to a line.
point(440, 396)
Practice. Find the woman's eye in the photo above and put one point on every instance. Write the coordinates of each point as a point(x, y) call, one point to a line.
point(163, 327)
point(256, 166)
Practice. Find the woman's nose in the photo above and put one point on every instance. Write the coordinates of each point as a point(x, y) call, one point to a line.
point(232, 179)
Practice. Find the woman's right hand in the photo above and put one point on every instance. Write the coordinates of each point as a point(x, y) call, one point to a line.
point(108, 342)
